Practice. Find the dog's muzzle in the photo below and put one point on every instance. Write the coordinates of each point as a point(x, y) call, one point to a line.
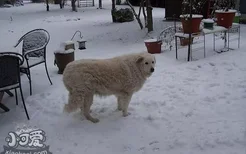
point(152, 70)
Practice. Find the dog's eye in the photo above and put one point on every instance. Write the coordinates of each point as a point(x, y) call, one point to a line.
point(146, 63)
point(153, 62)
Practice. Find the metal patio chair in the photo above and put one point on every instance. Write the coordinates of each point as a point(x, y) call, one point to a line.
point(10, 63)
point(34, 51)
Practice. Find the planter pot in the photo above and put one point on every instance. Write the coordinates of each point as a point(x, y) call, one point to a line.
point(62, 59)
point(185, 41)
point(153, 46)
point(195, 23)
point(225, 19)
point(208, 23)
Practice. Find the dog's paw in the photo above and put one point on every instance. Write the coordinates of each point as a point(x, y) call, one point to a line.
point(119, 109)
point(125, 114)
point(95, 120)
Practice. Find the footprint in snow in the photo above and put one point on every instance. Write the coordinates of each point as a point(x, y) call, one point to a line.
point(212, 64)
point(153, 142)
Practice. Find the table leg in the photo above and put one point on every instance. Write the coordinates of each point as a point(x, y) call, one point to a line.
point(204, 45)
point(214, 41)
point(239, 28)
point(225, 37)
point(176, 44)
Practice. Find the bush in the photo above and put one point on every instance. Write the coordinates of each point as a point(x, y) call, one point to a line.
point(123, 15)
point(242, 20)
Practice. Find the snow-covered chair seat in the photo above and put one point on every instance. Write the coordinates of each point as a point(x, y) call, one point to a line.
point(34, 51)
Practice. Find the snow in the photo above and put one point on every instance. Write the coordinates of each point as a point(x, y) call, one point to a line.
point(183, 35)
point(214, 30)
point(185, 107)
point(223, 11)
point(193, 15)
point(151, 40)
point(208, 20)
point(64, 51)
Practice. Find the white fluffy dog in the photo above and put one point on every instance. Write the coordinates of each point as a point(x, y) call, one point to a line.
point(121, 76)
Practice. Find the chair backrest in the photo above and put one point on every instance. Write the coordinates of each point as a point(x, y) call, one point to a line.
point(35, 39)
point(10, 68)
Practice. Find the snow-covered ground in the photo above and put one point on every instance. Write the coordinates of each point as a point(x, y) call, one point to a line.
point(193, 107)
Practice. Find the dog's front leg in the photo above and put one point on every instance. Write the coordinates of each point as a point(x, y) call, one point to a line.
point(124, 102)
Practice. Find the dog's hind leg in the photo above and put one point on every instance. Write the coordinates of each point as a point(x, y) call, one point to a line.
point(88, 100)
point(119, 103)
point(73, 102)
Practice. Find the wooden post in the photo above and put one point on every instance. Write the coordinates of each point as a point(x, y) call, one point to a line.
point(112, 11)
point(149, 16)
point(74, 5)
point(78, 3)
point(100, 4)
point(47, 5)
point(190, 31)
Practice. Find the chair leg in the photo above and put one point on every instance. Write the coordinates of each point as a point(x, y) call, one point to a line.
point(30, 80)
point(9, 93)
point(5, 108)
point(16, 99)
point(23, 101)
point(47, 72)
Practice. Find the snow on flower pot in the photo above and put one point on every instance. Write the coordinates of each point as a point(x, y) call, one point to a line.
point(208, 23)
point(195, 23)
point(64, 55)
point(153, 45)
point(225, 18)
point(62, 58)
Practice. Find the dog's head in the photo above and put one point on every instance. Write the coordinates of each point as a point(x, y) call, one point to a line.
point(146, 63)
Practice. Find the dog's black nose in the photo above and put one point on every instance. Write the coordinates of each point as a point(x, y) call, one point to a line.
point(152, 69)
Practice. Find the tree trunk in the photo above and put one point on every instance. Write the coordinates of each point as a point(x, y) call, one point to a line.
point(149, 16)
point(47, 5)
point(100, 4)
point(135, 14)
point(78, 4)
point(237, 7)
point(144, 14)
point(112, 11)
point(74, 6)
point(61, 4)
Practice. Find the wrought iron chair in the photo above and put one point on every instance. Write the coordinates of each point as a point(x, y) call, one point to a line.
point(10, 63)
point(34, 51)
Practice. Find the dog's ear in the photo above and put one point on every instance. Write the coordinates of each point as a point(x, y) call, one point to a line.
point(139, 59)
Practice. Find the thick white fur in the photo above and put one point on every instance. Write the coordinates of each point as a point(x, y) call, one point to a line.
point(121, 76)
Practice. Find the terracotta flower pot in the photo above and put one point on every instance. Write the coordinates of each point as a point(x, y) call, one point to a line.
point(62, 59)
point(225, 18)
point(195, 23)
point(153, 45)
